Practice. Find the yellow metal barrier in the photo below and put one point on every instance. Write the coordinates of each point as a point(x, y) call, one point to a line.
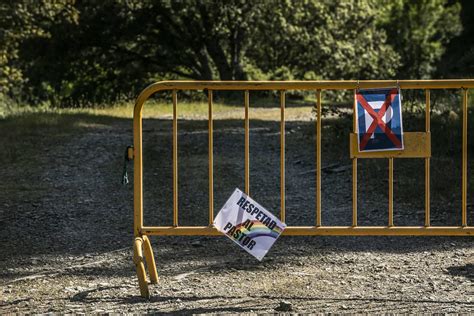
point(417, 145)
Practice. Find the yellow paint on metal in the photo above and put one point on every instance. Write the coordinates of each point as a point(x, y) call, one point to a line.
point(427, 161)
point(464, 158)
point(318, 157)
point(175, 158)
point(137, 250)
point(282, 156)
point(354, 192)
point(390, 192)
point(354, 166)
point(130, 153)
point(303, 85)
point(150, 260)
point(140, 267)
point(137, 169)
point(427, 110)
point(211, 159)
point(247, 144)
point(323, 231)
point(416, 144)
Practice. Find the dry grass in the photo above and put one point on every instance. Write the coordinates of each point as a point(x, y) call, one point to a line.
point(186, 111)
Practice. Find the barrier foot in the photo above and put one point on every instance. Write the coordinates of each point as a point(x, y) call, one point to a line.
point(141, 274)
point(150, 260)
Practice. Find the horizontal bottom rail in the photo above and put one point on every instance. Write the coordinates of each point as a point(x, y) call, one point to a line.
point(323, 231)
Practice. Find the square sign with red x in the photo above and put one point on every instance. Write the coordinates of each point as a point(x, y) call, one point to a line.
point(379, 119)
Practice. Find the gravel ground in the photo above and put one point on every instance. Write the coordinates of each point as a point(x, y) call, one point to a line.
point(66, 237)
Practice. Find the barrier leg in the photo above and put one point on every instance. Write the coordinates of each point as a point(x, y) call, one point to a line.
point(138, 260)
point(150, 260)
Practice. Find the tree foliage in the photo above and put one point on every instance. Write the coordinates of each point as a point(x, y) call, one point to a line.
point(458, 60)
point(419, 32)
point(74, 53)
point(21, 21)
point(322, 40)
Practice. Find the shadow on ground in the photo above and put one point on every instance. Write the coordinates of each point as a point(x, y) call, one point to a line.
point(62, 188)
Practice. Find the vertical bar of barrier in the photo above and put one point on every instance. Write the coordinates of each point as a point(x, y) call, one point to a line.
point(175, 159)
point(282, 156)
point(247, 144)
point(318, 158)
point(211, 158)
point(137, 171)
point(354, 167)
point(464, 158)
point(427, 161)
point(390, 192)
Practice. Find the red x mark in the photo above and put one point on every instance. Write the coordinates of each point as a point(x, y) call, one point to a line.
point(378, 119)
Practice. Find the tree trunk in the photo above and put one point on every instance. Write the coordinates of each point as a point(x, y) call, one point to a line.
point(206, 72)
point(236, 41)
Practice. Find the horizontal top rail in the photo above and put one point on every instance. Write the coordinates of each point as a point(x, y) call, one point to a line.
point(300, 85)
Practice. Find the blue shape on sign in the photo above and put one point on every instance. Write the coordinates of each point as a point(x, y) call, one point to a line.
point(379, 119)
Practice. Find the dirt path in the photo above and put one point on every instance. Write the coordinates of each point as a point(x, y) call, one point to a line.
point(66, 232)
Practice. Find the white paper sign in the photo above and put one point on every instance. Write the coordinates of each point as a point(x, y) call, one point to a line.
point(248, 224)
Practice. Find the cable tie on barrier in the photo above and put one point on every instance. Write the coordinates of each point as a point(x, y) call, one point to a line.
point(126, 159)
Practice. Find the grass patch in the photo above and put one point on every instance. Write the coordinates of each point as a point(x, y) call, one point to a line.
point(162, 110)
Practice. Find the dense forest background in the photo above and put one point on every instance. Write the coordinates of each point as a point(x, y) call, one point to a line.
point(86, 53)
